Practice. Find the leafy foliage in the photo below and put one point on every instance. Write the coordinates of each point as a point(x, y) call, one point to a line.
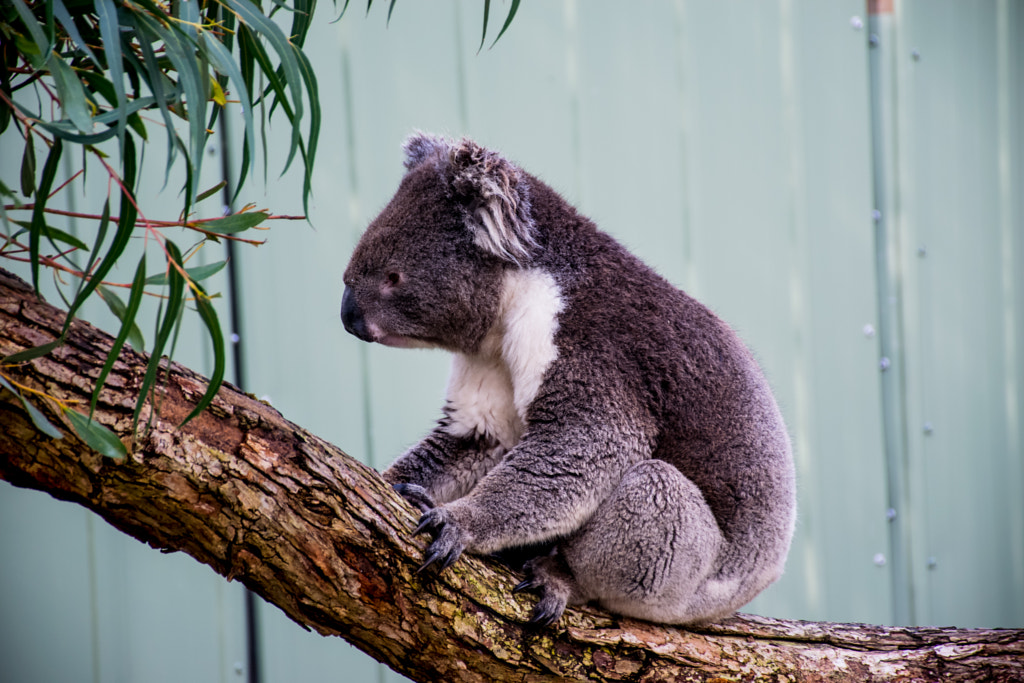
point(80, 73)
point(77, 76)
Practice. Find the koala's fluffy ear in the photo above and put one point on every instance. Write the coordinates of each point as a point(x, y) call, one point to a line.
point(491, 189)
point(420, 146)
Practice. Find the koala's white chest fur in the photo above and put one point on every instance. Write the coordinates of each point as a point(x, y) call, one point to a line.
point(489, 392)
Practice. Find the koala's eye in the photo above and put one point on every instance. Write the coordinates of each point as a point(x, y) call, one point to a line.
point(394, 279)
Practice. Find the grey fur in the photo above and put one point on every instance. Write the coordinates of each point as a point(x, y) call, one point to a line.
point(594, 410)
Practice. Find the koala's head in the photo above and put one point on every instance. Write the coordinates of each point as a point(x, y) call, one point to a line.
point(428, 270)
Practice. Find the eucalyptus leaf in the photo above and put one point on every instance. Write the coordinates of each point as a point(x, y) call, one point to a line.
point(128, 328)
point(253, 51)
point(483, 34)
point(174, 302)
point(313, 138)
point(188, 12)
point(29, 354)
point(56, 234)
point(110, 30)
point(34, 414)
point(38, 216)
point(101, 235)
point(238, 222)
point(125, 225)
point(62, 14)
point(28, 167)
point(513, 8)
point(251, 16)
point(164, 92)
point(206, 194)
point(224, 63)
point(182, 52)
point(96, 436)
point(122, 313)
point(27, 46)
point(5, 221)
point(302, 19)
point(196, 274)
point(68, 132)
point(209, 317)
point(71, 94)
point(35, 31)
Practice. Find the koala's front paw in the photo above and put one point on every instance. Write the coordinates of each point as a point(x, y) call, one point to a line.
point(416, 495)
point(449, 539)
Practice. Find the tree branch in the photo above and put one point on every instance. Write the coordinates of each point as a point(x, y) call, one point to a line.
point(321, 536)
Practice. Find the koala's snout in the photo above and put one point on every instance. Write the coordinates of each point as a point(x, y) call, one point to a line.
point(352, 317)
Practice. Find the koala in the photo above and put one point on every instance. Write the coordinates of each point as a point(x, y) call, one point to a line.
point(596, 415)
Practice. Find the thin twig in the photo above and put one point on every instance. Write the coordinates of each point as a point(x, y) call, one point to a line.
point(64, 404)
point(194, 224)
point(63, 185)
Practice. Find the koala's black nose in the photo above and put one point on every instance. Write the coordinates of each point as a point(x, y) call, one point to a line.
point(352, 317)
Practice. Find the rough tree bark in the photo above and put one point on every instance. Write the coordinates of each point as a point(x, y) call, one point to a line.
point(313, 531)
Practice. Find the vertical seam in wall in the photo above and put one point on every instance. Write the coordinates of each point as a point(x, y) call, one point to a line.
point(1011, 390)
point(882, 74)
point(236, 339)
point(902, 527)
point(914, 320)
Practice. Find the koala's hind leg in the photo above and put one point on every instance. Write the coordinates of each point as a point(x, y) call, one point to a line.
point(550, 578)
point(649, 548)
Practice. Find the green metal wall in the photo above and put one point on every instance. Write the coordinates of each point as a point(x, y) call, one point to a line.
point(960, 214)
point(740, 148)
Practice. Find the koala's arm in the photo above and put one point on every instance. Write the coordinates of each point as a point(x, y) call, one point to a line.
point(444, 465)
point(546, 487)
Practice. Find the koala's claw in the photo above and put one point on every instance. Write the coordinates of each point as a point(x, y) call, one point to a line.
point(548, 611)
point(527, 585)
point(442, 559)
point(549, 578)
point(425, 526)
point(448, 542)
point(416, 495)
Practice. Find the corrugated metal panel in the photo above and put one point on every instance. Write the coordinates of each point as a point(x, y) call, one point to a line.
point(960, 226)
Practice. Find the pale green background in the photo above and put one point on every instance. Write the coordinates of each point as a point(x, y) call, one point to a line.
point(730, 145)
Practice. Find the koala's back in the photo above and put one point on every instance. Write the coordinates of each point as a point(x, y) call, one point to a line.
point(699, 389)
